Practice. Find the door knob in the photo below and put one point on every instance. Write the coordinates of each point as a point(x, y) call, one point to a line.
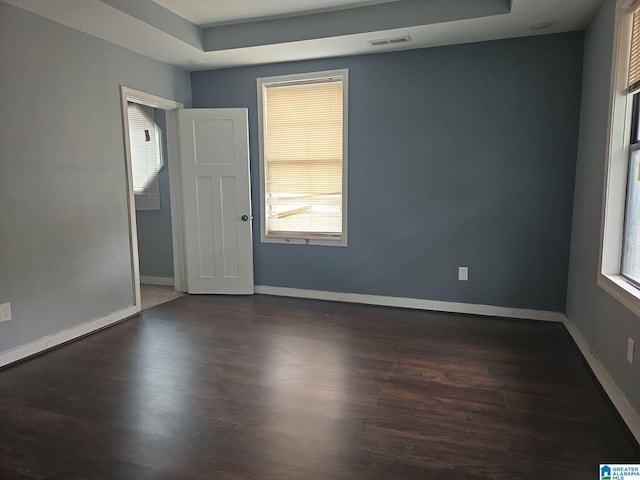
point(244, 218)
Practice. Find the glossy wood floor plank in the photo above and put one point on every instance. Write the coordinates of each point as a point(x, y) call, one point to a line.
point(215, 387)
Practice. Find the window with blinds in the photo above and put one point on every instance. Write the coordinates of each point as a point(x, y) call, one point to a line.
point(303, 157)
point(146, 156)
point(630, 263)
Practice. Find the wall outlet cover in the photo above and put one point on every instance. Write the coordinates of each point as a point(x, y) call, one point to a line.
point(630, 347)
point(5, 312)
point(463, 273)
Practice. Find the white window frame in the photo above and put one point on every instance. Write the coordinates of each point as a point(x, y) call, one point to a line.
point(262, 84)
point(615, 186)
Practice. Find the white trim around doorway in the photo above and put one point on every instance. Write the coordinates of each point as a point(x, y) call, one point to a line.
point(175, 185)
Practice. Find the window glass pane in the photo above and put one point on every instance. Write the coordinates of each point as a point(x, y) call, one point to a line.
point(631, 251)
point(635, 121)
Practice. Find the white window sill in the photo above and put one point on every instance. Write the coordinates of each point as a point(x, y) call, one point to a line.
point(621, 290)
point(328, 242)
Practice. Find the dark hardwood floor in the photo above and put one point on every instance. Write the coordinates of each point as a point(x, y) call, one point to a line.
point(269, 388)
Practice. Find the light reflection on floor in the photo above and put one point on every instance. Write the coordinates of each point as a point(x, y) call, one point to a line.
point(296, 369)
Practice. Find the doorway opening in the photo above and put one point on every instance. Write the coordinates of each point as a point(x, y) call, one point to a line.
point(157, 257)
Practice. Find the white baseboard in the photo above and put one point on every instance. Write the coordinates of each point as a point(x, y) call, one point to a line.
point(626, 411)
point(59, 338)
point(150, 280)
point(414, 303)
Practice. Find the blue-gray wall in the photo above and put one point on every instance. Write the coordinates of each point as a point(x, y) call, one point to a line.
point(64, 237)
point(461, 155)
point(155, 246)
point(602, 320)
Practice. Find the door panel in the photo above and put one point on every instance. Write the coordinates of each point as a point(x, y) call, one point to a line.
point(214, 151)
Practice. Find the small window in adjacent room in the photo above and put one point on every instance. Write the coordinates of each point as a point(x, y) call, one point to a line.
point(303, 158)
point(620, 255)
point(146, 156)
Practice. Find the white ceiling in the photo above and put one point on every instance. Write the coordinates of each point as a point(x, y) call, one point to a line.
point(113, 20)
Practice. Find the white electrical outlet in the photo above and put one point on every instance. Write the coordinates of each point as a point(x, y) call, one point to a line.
point(463, 273)
point(5, 312)
point(630, 346)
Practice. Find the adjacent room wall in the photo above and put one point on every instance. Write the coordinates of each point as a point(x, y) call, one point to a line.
point(64, 235)
point(602, 320)
point(458, 156)
point(155, 246)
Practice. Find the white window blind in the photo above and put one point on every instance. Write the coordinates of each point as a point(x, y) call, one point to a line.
point(303, 150)
point(145, 156)
point(634, 62)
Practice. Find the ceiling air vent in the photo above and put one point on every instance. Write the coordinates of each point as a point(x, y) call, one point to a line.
point(389, 41)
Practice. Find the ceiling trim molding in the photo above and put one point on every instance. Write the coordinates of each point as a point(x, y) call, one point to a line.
point(370, 18)
point(159, 17)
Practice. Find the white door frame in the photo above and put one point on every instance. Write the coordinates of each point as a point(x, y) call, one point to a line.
point(175, 185)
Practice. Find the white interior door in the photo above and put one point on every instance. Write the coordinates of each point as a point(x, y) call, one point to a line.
point(214, 154)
